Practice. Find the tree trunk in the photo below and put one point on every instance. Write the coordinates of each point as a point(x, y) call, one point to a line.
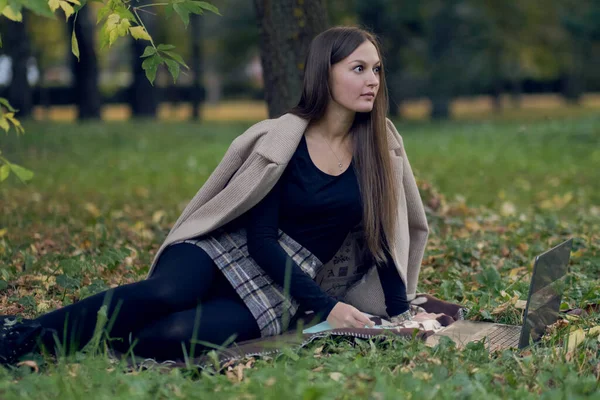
point(286, 30)
point(441, 60)
point(573, 81)
point(197, 92)
point(143, 98)
point(85, 71)
point(495, 63)
point(370, 16)
point(20, 94)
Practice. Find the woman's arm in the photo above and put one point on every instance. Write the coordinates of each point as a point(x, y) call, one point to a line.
point(264, 248)
point(394, 289)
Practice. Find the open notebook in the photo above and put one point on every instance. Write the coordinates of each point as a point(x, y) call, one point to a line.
point(324, 326)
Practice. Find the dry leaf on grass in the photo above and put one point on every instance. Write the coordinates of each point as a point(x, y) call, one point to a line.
point(236, 374)
point(336, 376)
point(31, 364)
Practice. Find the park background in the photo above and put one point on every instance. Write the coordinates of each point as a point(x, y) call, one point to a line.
point(498, 104)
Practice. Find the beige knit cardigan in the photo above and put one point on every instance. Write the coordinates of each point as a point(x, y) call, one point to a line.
point(255, 161)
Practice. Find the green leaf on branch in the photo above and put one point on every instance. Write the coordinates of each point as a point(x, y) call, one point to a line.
point(173, 67)
point(150, 65)
point(208, 7)
point(124, 13)
point(165, 47)
point(176, 57)
point(186, 7)
point(103, 12)
point(39, 7)
point(74, 44)
point(6, 104)
point(22, 173)
point(4, 172)
point(148, 51)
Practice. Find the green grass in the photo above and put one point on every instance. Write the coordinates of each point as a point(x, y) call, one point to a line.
point(105, 195)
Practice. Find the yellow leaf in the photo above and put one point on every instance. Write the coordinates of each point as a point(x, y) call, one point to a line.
point(92, 209)
point(577, 336)
point(3, 232)
point(74, 45)
point(67, 8)
point(138, 32)
point(74, 2)
point(508, 208)
point(12, 15)
point(157, 216)
point(123, 27)
point(574, 339)
point(4, 123)
point(422, 375)
point(112, 21)
point(54, 4)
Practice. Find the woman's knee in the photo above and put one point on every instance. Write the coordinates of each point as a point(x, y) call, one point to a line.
point(184, 273)
point(214, 321)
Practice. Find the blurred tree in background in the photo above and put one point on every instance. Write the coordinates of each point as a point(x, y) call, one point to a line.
point(434, 49)
point(286, 29)
point(85, 67)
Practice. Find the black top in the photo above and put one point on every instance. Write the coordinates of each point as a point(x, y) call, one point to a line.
point(318, 211)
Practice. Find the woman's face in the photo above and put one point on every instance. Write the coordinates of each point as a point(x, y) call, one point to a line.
point(354, 77)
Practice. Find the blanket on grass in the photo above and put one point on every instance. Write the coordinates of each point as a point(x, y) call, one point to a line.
point(295, 339)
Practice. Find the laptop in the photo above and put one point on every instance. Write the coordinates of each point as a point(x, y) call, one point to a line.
point(548, 283)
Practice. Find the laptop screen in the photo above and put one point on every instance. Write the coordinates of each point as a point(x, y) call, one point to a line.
point(548, 283)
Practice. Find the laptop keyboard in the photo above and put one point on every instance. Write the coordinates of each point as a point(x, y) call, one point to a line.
point(504, 336)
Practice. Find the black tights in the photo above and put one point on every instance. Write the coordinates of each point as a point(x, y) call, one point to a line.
point(160, 311)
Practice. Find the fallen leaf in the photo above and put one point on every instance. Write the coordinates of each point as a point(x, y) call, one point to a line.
point(157, 216)
point(336, 376)
point(422, 375)
point(318, 369)
point(92, 209)
point(578, 335)
point(270, 381)
point(31, 364)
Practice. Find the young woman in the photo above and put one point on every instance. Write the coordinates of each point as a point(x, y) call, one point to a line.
point(241, 259)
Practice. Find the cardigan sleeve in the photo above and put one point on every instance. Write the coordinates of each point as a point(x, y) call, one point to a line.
point(417, 221)
point(263, 246)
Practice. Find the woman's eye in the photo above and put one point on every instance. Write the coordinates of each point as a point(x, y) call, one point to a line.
point(377, 69)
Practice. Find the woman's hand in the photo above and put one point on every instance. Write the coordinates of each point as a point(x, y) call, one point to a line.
point(345, 316)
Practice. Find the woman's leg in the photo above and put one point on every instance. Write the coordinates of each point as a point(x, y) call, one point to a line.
point(184, 275)
point(215, 320)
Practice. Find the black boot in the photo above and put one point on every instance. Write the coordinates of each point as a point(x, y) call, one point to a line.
point(17, 338)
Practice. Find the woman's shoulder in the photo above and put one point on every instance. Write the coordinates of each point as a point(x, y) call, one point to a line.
point(250, 138)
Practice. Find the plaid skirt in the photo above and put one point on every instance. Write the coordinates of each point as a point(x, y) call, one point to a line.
point(272, 309)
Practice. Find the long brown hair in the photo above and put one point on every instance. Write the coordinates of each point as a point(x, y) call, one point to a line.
point(371, 154)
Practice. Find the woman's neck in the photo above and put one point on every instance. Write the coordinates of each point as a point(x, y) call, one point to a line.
point(334, 125)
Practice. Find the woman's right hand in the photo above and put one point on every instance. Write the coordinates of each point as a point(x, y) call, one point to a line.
point(345, 316)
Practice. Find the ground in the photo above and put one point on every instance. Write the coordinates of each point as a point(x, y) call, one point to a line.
point(498, 192)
